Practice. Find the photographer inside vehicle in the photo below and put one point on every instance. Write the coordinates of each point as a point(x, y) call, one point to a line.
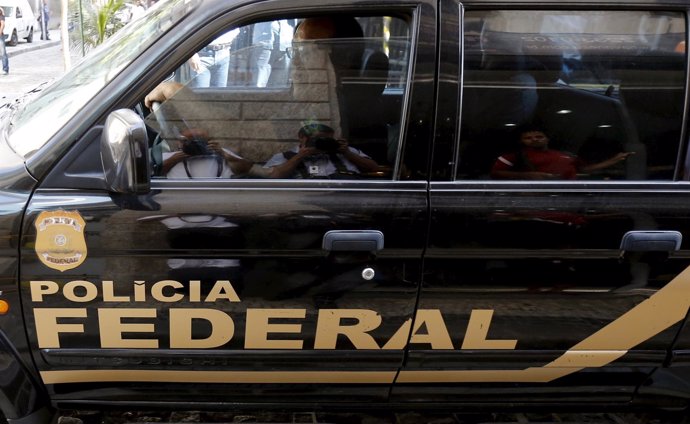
point(319, 155)
point(199, 157)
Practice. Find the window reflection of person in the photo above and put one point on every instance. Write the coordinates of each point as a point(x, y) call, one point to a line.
point(263, 38)
point(199, 157)
point(307, 160)
point(280, 60)
point(534, 160)
point(210, 65)
point(331, 47)
point(345, 55)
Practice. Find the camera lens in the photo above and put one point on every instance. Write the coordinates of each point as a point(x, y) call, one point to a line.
point(195, 147)
point(325, 144)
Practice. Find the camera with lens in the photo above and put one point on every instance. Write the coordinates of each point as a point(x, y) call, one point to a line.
point(195, 146)
point(325, 144)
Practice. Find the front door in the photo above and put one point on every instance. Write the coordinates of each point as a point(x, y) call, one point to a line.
point(230, 283)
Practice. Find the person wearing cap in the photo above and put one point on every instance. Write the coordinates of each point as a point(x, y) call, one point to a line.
point(199, 157)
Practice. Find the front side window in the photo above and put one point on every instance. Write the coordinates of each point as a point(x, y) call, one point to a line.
point(562, 95)
point(306, 97)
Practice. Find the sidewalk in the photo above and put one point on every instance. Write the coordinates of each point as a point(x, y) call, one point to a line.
point(32, 64)
point(23, 46)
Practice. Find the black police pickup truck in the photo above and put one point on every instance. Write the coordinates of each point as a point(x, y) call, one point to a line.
point(413, 203)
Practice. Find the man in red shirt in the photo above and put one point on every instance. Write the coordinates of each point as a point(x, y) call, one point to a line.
point(535, 161)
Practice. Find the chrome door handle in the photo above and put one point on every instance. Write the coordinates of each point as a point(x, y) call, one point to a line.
point(353, 241)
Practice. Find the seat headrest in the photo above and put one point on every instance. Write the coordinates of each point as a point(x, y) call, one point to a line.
point(374, 74)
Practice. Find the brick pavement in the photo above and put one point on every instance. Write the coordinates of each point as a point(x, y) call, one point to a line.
point(30, 65)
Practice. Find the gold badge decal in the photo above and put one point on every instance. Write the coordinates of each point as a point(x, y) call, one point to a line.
point(60, 242)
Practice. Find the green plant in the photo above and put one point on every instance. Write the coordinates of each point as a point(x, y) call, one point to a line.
point(106, 21)
point(93, 22)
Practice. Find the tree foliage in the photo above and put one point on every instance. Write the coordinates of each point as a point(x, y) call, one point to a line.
point(93, 22)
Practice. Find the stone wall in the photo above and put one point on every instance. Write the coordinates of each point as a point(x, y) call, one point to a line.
point(254, 122)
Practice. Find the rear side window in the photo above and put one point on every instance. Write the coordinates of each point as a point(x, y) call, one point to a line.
point(572, 95)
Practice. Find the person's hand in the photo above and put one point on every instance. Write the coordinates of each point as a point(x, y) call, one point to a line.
point(238, 165)
point(173, 160)
point(178, 156)
point(216, 148)
point(621, 156)
point(162, 92)
point(343, 146)
point(307, 151)
point(195, 63)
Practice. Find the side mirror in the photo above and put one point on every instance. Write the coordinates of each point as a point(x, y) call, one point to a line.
point(124, 153)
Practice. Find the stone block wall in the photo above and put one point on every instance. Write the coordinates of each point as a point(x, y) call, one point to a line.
point(256, 122)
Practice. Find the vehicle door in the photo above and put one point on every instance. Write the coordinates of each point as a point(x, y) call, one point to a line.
point(220, 284)
point(555, 267)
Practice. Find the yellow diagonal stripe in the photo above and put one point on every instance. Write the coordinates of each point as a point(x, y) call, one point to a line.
point(660, 311)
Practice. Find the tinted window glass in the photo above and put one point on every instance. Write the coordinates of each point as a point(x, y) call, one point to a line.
point(572, 95)
point(264, 92)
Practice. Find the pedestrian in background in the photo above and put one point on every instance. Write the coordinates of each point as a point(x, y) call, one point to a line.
point(138, 9)
point(43, 18)
point(263, 36)
point(3, 51)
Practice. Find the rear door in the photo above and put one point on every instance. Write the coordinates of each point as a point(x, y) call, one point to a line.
point(213, 289)
point(570, 277)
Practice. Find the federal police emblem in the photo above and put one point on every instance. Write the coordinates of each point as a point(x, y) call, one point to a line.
point(60, 242)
